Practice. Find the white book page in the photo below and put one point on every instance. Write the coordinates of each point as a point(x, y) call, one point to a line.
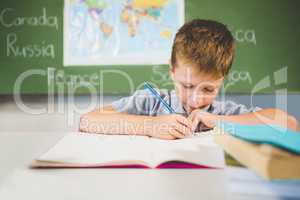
point(84, 148)
point(199, 149)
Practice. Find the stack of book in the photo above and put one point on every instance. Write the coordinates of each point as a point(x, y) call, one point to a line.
point(258, 149)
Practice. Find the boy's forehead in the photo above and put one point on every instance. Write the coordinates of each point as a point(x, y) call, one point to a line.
point(192, 76)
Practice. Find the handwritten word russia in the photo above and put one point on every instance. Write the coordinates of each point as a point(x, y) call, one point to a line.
point(10, 19)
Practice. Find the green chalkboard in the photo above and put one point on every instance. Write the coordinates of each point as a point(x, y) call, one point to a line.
point(31, 52)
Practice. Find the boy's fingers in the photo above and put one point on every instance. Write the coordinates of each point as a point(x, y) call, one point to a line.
point(192, 119)
point(165, 136)
point(195, 124)
point(184, 121)
point(193, 114)
point(174, 132)
point(183, 129)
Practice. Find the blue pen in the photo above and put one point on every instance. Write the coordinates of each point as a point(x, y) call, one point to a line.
point(155, 93)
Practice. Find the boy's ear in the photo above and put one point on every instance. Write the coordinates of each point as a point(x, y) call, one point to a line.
point(171, 70)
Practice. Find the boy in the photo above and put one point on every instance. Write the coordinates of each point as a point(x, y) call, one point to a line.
point(202, 55)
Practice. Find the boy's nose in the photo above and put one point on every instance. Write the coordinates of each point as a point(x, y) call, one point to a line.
point(195, 101)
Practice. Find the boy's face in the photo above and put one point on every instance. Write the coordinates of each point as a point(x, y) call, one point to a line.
point(195, 89)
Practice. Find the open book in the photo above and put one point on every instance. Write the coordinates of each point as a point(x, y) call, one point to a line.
point(96, 150)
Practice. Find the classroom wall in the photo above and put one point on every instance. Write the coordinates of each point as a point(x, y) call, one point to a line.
point(267, 33)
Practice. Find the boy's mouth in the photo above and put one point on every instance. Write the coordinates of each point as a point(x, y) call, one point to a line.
point(190, 109)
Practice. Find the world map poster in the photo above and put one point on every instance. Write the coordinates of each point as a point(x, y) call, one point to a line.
point(120, 32)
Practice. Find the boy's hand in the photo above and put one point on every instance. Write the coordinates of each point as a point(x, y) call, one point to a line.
point(170, 127)
point(208, 119)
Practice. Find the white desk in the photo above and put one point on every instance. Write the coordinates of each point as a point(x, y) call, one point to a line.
point(17, 181)
point(23, 137)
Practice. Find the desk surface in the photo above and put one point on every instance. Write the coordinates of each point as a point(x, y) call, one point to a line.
point(18, 181)
point(39, 132)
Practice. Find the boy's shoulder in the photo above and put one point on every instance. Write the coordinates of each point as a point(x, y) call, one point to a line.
point(147, 92)
point(144, 103)
point(230, 107)
point(164, 93)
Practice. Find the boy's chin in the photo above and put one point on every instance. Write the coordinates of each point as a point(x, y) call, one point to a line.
point(191, 109)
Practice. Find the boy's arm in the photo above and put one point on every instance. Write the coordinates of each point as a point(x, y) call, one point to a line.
point(264, 116)
point(108, 121)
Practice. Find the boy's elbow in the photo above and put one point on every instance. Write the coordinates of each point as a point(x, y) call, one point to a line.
point(293, 123)
point(83, 123)
point(84, 120)
point(290, 121)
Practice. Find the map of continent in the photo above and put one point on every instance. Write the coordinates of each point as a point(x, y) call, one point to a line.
point(100, 32)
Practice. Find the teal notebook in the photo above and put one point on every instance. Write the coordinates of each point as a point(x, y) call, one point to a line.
point(273, 135)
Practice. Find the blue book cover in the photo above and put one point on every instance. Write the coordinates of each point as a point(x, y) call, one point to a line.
point(267, 134)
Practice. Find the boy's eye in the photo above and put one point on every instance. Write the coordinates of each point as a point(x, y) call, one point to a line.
point(188, 86)
point(208, 90)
